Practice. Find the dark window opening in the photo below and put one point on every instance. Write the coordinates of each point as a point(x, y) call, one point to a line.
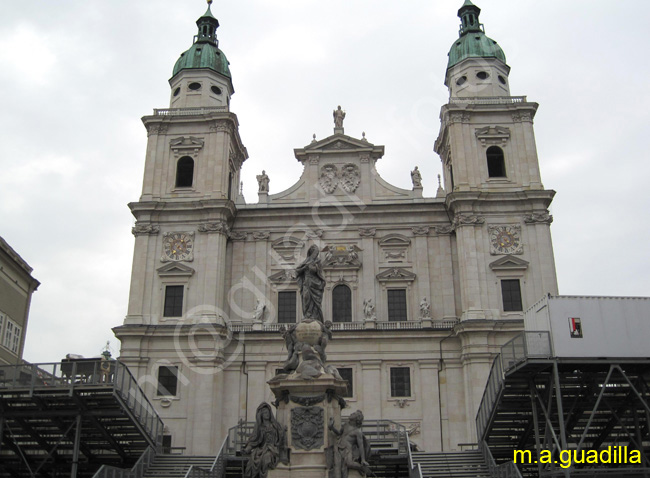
point(173, 301)
point(502, 80)
point(230, 185)
point(482, 75)
point(346, 374)
point(341, 304)
point(177, 91)
point(216, 90)
point(194, 86)
point(496, 162)
point(287, 307)
point(397, 305)
point(511, 293)
point(167, 380)
point(184, 172)
point(461, 81)
point(167, 444)
point(400, 382)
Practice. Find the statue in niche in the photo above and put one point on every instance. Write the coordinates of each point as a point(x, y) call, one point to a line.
point(416, 177)
point(263, 182)
point(267, 445)
point(369, 309)
point(339, 116)
point(311, 282)
point(351, 449)
point(425, 309)
point(259, 312)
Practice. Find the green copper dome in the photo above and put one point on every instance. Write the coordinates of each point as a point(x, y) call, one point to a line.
point(204, 53)
point(473, 43)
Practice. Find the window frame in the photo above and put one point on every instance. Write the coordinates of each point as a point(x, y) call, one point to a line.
point(390, 369)
point(503, 281)
point(351, 393)
point(342, 285)
point(176, 393)
point(489, 159)
point(177, 169)
point(182, 287)
point(296, 312)
point(388, 303)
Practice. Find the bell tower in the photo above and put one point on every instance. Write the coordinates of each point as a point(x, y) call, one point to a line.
point(192, 169)
point(492, 177)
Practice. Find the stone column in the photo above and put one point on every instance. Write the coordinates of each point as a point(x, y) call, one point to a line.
point(431, 411)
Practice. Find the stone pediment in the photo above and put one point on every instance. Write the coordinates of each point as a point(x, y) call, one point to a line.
point(337, 144)
point(509, 263)
point(340, 256)
point(186, 145)
point(493, 135)
point(175, 269)
point(285, 276)
point(396, 274)
point(288, 248)
point(394, 240)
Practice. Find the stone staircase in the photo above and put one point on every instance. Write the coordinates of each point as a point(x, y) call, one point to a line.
point(176, 466)
point(464, 464)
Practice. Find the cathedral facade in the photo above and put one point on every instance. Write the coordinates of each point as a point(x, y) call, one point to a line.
point(421, 291)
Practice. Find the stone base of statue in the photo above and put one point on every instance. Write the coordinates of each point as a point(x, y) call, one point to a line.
point(304, 407)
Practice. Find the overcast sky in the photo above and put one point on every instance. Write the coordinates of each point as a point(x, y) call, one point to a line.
point(76, 77)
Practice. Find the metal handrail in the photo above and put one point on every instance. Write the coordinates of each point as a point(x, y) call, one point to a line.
point(138, 470)
point(504, 470)
point(491, 393)
point(415, 469)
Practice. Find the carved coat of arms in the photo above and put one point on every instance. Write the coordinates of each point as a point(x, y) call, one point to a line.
point(328, 178)
point(350, 177)
point(307, 427)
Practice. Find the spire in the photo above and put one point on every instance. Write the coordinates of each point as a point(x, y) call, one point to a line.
point(208, 25)
point(468, 14)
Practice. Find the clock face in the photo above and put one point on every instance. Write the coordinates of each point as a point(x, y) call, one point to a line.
point(178, 246)
point(505, 239)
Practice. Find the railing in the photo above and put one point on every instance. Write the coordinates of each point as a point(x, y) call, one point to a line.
point(504, 470)
point(490, 395)
point(415, 469)
point(137, 471)
point(189, 111)
point(488, 100)
point(534, 344)
point(72, 375)
point(447, 324)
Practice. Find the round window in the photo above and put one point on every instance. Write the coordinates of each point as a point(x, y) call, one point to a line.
point(194, 86)
point(502, 80)
point(216, 90)
point(482, 75)
point(460, 81)
point(177, 91)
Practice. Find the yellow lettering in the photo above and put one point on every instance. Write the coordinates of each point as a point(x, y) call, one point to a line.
point(592, 456)
point(545, 457)
point(635, 456)
point(524, 454)
point(578, 458)
point(606, 455)
point(565, 458)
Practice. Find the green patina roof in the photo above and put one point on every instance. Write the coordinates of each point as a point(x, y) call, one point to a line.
point(473, 43)
point(203, 55)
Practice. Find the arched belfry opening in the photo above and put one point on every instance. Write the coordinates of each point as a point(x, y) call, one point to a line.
point(496, 162)
point(342, 303)
point(185, 172)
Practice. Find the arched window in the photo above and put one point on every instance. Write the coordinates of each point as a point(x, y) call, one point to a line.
point(341, 304)
point(496, 162)
point(185, 172)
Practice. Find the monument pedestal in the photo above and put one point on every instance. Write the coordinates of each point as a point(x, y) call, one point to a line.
point(305, 407)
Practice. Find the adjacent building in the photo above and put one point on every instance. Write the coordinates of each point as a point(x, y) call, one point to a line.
point(422, 291)
point(16, 288)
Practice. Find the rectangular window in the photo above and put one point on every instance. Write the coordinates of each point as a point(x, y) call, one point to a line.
point(167, 380)
point(511, 293)
point(11, 339)
point(400, 382)
point(173, 301)
point(397, 305)
point(287, 307)
point(346, 374)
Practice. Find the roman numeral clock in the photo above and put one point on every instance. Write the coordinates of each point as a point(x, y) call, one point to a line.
point(505, 239)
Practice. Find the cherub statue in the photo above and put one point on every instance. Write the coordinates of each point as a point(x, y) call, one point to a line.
point(351, 450)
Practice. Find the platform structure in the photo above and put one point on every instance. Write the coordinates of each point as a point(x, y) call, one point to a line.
point(69, 418)
point(559, 412)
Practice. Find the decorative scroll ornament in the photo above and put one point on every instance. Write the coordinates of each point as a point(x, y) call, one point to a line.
point(468, 220)
point(307, 427)
point(420, 230)
point(328, 178)
point(443, 230)
point(538, 218)
point(367, 231)
point(505, 239)
point(145, 230)
point(350, 177)
point(238, 235)
point(219, 227)
point(261, 236)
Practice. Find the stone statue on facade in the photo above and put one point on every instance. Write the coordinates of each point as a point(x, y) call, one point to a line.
point(259, 312)
point(351, 449)
point(416, 177)
point(311, 282)
point(266, 446)
point(369, 309)
point(425, 309)
point(339, 116)
point(263, 182)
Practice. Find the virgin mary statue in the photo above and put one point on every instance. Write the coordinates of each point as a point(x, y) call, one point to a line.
point(312, 283)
